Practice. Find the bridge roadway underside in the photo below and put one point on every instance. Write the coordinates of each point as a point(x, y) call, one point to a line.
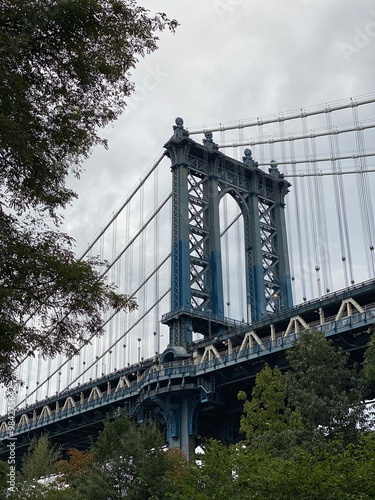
point(196, 396)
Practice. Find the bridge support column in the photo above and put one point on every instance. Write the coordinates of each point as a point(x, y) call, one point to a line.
point(286, 299)
point(256, 301)
point(181, 420)
point(185, 440)
point(217, 293)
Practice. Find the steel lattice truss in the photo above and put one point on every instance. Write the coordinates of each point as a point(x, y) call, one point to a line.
point(199, 242)
point(269, 241)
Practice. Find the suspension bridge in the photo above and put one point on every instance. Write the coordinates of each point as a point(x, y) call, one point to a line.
point(238, 236)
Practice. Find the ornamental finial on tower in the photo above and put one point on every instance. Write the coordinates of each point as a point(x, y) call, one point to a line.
point(273, 170)
point(208, 141)
point(178, 130)
point(248, 159)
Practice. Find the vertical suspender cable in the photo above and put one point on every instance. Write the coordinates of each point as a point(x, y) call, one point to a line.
point(312, 233)
point(130, 268)
point(226, 252)
point(298, 217)
point(128, 271)
point(156, 260)
point(288, 218)
point(364, 194)
point(306, 238)
point(340, 182)
point(260, 138)
point(240, 141)
point(117, 358)
point(142, 252)
point(38, 373)
point(222, 135)
point(322, 222)
point(239, 243)
point(29, 373)
point(49, 378)
point(113, 326)
point(340, 205)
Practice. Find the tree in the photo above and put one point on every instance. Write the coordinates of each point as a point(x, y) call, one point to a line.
point(40, 460)
point(75, 468)
point(177, 476)
point(4, 470)
point(36, 478)
point(267, 410)
point(41, 277)
point(368, 369)
point(267, 421)
point(210, 475)
point(64, 73)
point(322, 387)
point(317, 474)
point(244, 472)
point(128, 460)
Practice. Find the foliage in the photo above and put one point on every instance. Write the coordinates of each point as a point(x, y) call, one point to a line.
point(177, 472)
point(268, 422)
point(286, 454)
point(40, 460)
point(215, 470)
point(39, 274)
point(4, 470)
point(252, 473)
point(313, 475)
point(322, 387)
point(36, 477)
point(266, 409)
point(75, 468)
point(368, 369)
point(209, 476)
point(64, 73)
point(128, 460)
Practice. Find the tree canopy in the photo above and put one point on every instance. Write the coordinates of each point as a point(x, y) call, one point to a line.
point(368, 370)
point(64, 73)
point(128, 461)
point(323, 387)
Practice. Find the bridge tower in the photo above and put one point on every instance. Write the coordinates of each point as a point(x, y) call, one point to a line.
point(202, 175)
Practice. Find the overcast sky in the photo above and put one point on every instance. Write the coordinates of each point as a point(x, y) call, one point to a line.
point(229, 60)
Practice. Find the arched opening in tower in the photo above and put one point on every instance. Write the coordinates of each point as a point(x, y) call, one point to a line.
point(233, 259)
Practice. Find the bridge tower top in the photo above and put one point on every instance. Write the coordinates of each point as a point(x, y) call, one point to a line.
point(202, 175)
